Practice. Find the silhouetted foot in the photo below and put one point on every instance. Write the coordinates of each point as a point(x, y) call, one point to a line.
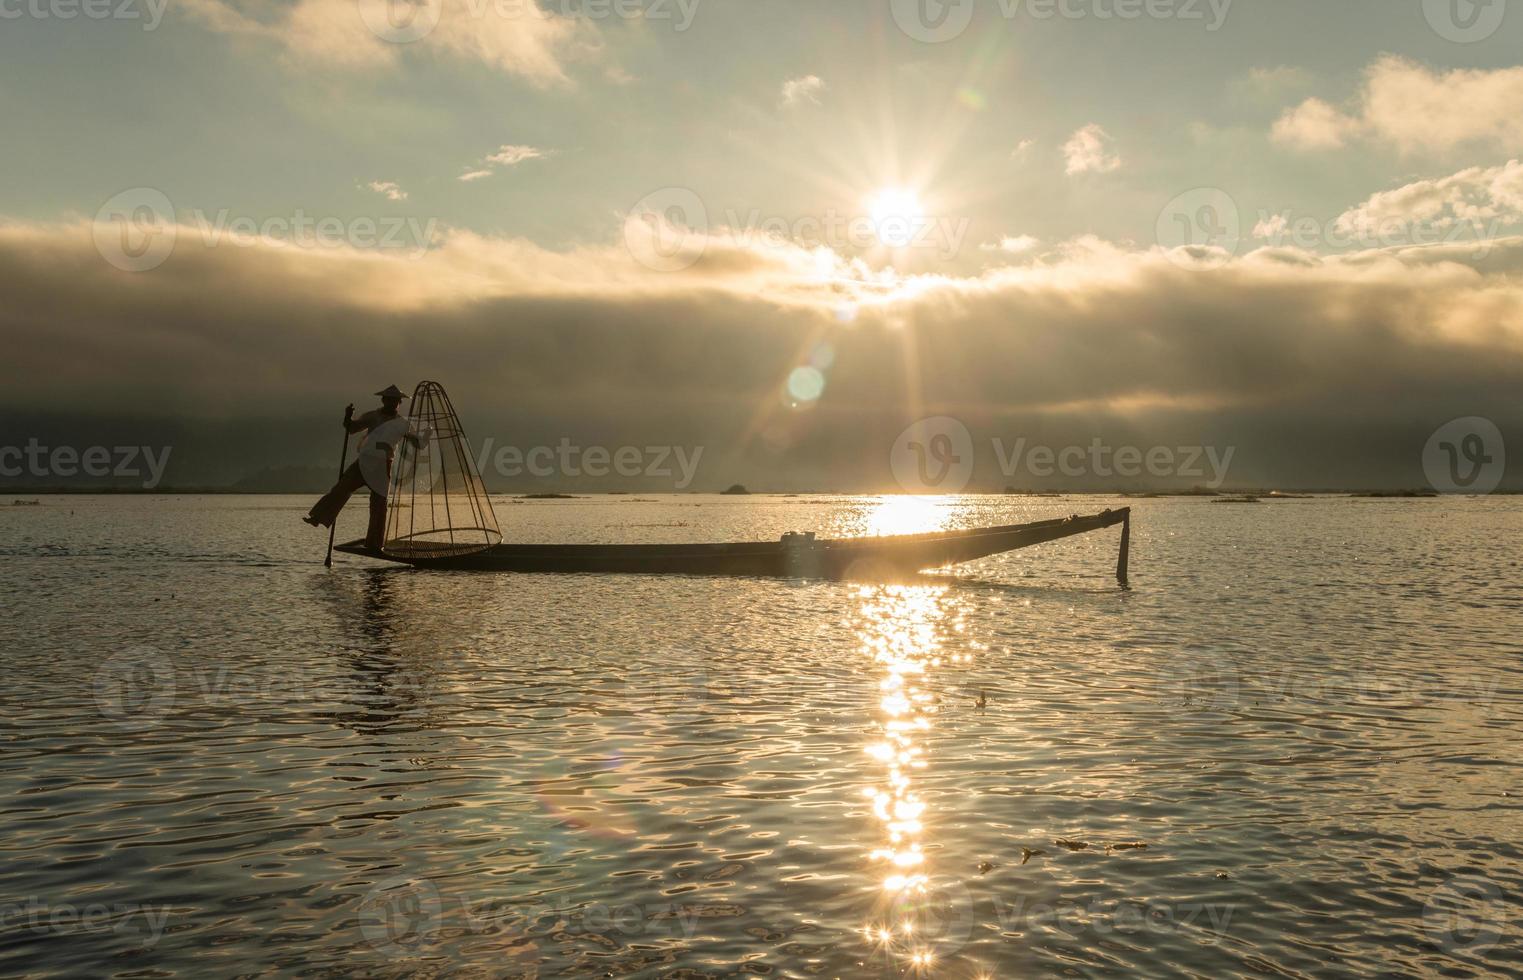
point(312, 520)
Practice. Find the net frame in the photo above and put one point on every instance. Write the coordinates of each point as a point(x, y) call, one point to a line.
point(434, 477)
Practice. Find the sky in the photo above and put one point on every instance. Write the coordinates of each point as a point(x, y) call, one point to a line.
point(784, 232)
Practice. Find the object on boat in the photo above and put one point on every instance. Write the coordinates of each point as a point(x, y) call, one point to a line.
point(439, 517)
point(437, 507)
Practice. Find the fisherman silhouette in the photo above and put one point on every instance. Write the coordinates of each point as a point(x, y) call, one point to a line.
point(326, 510)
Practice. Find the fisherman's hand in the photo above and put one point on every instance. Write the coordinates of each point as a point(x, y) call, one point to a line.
point(349, 414)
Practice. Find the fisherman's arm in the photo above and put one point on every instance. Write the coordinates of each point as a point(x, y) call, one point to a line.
point(352, 424)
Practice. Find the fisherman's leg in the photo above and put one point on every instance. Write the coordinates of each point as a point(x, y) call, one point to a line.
point(325, 511)
point(375, 535)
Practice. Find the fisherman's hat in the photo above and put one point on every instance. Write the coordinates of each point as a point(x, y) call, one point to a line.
point(391, 392)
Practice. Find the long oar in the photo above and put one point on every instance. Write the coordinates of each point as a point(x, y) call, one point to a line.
point(342, 458)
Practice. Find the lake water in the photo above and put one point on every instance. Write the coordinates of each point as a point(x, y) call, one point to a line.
point(220, 758)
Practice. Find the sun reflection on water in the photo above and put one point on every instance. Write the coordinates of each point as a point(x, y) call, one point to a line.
point(901, 628)
point(907, 515)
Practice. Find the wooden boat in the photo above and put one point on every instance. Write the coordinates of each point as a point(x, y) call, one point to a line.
point(439, 516)
point(794, 556)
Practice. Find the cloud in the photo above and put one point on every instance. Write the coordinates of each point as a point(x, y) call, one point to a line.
point(388, 189)
point(1013, 245)
point(806, 88)
point(1378, 348)
point(1478, 197)
point(1022, 148)
point(517, 37)
point(507, 155)
point(1314, 125)
point(1087, 151)
point(1272, 227)
point(1415, 109)
point(1263, 82)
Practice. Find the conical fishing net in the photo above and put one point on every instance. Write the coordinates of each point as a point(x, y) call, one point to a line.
point(436, 506)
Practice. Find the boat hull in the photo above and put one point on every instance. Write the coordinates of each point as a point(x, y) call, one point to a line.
point(847, 558)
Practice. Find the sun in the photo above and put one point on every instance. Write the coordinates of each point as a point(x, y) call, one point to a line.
point(896, 215)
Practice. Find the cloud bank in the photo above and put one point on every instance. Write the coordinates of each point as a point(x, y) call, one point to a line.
point(1321, 369)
